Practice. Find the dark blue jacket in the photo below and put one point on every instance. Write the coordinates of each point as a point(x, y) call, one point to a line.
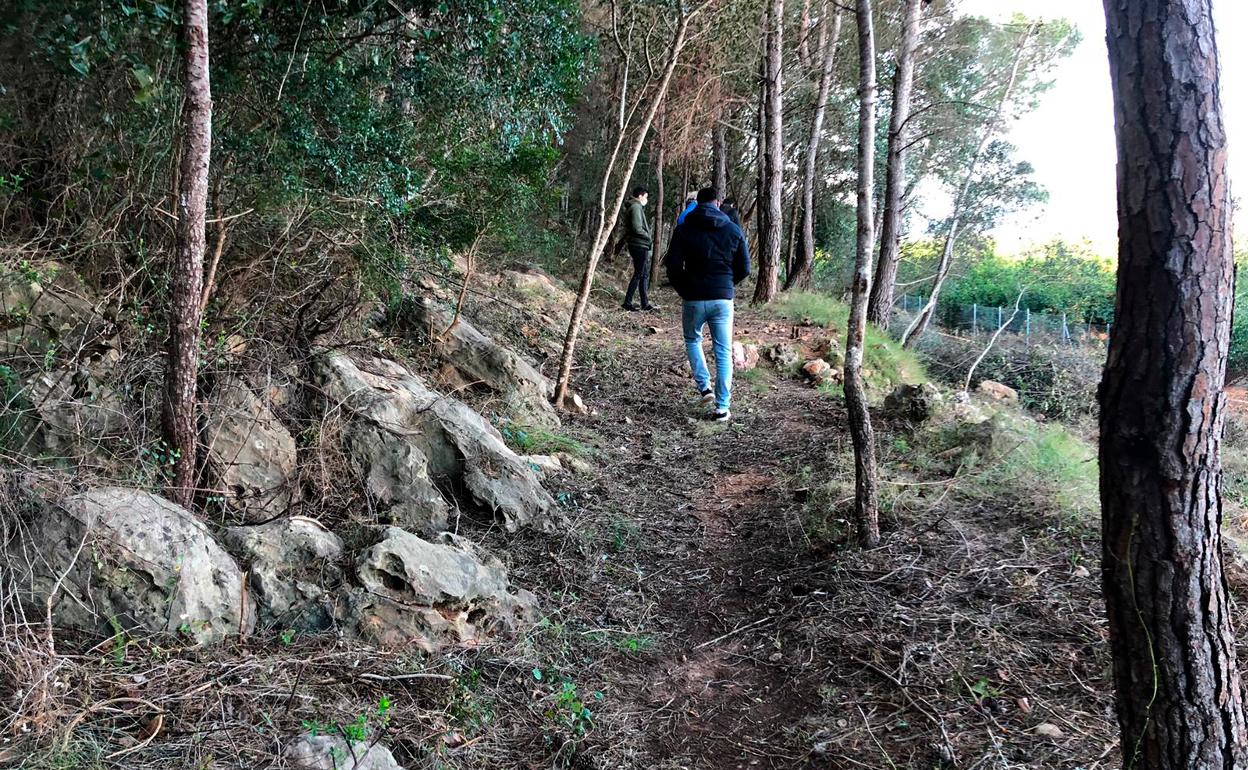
point(708, 256)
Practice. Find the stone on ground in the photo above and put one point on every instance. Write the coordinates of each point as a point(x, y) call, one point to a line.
point(331, 752)
point(745, 356)
point(480, 359)
point(250, 453)
point(432, 594)
point(134, 561)
point(408, 435)
point(914, 403)
point(998, 392)
point(290, 564)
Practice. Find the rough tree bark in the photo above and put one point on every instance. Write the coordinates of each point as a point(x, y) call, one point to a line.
point(1162, 406)
point(609, 214)
point(919, 324)
point(660, 205)
point(182, 366)
point(880, 306)
point(771, 239)
point(866, 499)
point(800, 275)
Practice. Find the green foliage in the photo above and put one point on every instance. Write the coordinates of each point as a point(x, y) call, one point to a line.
point(536, 440)
point(1059, 277)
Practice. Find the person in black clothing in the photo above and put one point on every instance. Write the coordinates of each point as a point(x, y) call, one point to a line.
point(729, 208)
point(640, 243)
point(707, 258)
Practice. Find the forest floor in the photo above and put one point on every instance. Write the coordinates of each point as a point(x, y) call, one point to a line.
point(705, 608)
point(719, 607)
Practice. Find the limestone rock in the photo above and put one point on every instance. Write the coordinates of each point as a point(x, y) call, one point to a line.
point(914, 403)
point(819, 371)
point(396, 476)
point(544, 463)
point(290, 561)
point(332, 752)
point(250, 453)
point(133, 560)
point(45, 308)
point(998, 392)
point(408, 434)
point(482, 360)
point(783, 356)
point(745, 356)
point(432, 594)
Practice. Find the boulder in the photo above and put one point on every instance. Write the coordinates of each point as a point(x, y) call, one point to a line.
point(76, 415)
point(481, 360)
point(914, 403)
point(784, 356)
point(432, 594)
point(290, 562)
point(395, 475)
point(407, 434)
point(332, 752)
point(544, 463)
point(819, 371)
point(745, 356)
point(249, 452)
point(45, 310)
point(998, 392)
point(134, 561)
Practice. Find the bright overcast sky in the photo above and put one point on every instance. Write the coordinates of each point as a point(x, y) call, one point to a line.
point(1070, 138)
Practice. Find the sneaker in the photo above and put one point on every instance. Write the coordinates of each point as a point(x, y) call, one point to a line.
point(651, 308)
point(719, 416)
point(708, 396)
point(630, 308)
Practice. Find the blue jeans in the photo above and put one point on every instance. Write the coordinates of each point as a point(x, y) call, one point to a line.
point(718, 314)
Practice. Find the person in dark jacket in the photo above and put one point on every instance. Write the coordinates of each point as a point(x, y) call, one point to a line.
point(729, 207)
point(640, 243)
point(707, 258)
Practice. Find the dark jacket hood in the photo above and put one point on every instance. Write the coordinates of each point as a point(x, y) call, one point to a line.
point(707, 217)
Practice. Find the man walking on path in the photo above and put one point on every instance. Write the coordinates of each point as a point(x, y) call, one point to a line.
point(640, 243)
point(707, 258)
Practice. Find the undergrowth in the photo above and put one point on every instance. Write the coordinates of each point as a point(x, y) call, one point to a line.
point(884, 361)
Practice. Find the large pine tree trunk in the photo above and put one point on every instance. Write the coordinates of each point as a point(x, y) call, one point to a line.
point(866, 502)
point(182, 367)
point(660, 208)
point(1162, 407)
point(803, 269)
point(771, 238)
point(880, 307)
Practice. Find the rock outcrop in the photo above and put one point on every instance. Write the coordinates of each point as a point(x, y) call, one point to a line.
point(913, 403)
point(405, 437)
point(134, 561)
point(414, 591)
point(998, 392)
point(293, 565)
point(250, 453)
point(482, 361)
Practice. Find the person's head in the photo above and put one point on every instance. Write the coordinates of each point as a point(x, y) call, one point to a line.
point(729, 202)
point(708, 195)
point(641, 194)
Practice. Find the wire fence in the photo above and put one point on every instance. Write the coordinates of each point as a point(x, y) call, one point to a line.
point(975, 320)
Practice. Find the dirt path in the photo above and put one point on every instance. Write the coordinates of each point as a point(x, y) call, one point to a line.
point(727, 637)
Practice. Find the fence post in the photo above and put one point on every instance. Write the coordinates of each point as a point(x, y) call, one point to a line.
point(1028, 326)
point(974, 318)
point(1065, 330)
point(1000, 322)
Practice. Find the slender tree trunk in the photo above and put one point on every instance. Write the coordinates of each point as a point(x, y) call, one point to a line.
point(719, 153)
point(660, 243)
point(771, 244)
point(1162, 406)
point(801, 274)
point(759, 209)
point(182, 368)
point(866, 499)
point(880, 306)
point(607, 216)
point(919, 324)
point(790, 252)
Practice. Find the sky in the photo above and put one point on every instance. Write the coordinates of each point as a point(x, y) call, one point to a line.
point(1070, 137)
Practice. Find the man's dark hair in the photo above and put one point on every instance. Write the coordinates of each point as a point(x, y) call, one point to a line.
point(640, 191)
point(730, 201)
point(708, 195)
